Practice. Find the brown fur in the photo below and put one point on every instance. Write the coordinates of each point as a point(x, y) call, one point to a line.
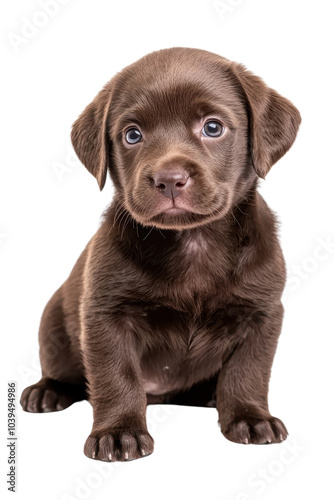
point(166, 307)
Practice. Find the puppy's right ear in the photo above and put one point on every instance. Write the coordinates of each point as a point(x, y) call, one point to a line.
point(90, 137)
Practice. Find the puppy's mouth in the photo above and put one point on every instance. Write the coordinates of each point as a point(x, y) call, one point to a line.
point(173, 208)
point(177, 215)
point(175, 211)
point(176, 218)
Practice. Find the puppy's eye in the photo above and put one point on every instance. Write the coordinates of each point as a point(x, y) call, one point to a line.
point(133, 135)
point(212, 129)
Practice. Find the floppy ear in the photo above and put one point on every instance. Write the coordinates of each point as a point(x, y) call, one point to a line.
point(273, 120)
point(90, 136)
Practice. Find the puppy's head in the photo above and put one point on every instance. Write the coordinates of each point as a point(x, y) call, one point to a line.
point(184, 133)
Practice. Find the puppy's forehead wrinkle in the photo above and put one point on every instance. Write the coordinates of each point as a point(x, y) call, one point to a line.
point(184, 95)
point(173, 109)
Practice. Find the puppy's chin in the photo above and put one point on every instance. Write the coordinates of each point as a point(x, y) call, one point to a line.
point(178, 219)
point(179, 214)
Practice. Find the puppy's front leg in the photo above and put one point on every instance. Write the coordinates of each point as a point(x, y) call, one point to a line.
point(115, 391)
point(242, 388)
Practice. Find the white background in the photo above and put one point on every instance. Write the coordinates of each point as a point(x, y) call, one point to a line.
point(46, 219)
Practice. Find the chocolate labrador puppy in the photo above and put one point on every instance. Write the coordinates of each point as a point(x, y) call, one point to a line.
point(177, 297)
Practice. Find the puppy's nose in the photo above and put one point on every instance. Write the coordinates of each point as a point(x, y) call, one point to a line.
point(171, 183)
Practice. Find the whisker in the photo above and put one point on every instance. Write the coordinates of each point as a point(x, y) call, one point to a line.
point(239, 209)
point(118, 206)
point(236, 220)
point(122, 218)
point(126, 222)
point(137, 231)
point(118, 212)
point(150, 231)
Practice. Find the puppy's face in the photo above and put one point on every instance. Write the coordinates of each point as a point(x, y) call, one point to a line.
point(179, 137)
point(184, 134)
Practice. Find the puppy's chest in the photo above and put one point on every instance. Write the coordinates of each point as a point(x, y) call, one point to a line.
point(197, 272)
point(181, 350)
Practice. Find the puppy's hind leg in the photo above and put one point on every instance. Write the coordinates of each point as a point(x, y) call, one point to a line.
point(63, 381)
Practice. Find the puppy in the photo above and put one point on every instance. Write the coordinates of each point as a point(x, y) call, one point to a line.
point(177, 297)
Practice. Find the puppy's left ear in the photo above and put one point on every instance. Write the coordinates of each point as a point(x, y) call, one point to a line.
point(273, 120)
point(90, 137)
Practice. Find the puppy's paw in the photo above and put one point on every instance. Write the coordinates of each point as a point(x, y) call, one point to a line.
point(50, 395)
point(256, 431)
point(118, 445)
